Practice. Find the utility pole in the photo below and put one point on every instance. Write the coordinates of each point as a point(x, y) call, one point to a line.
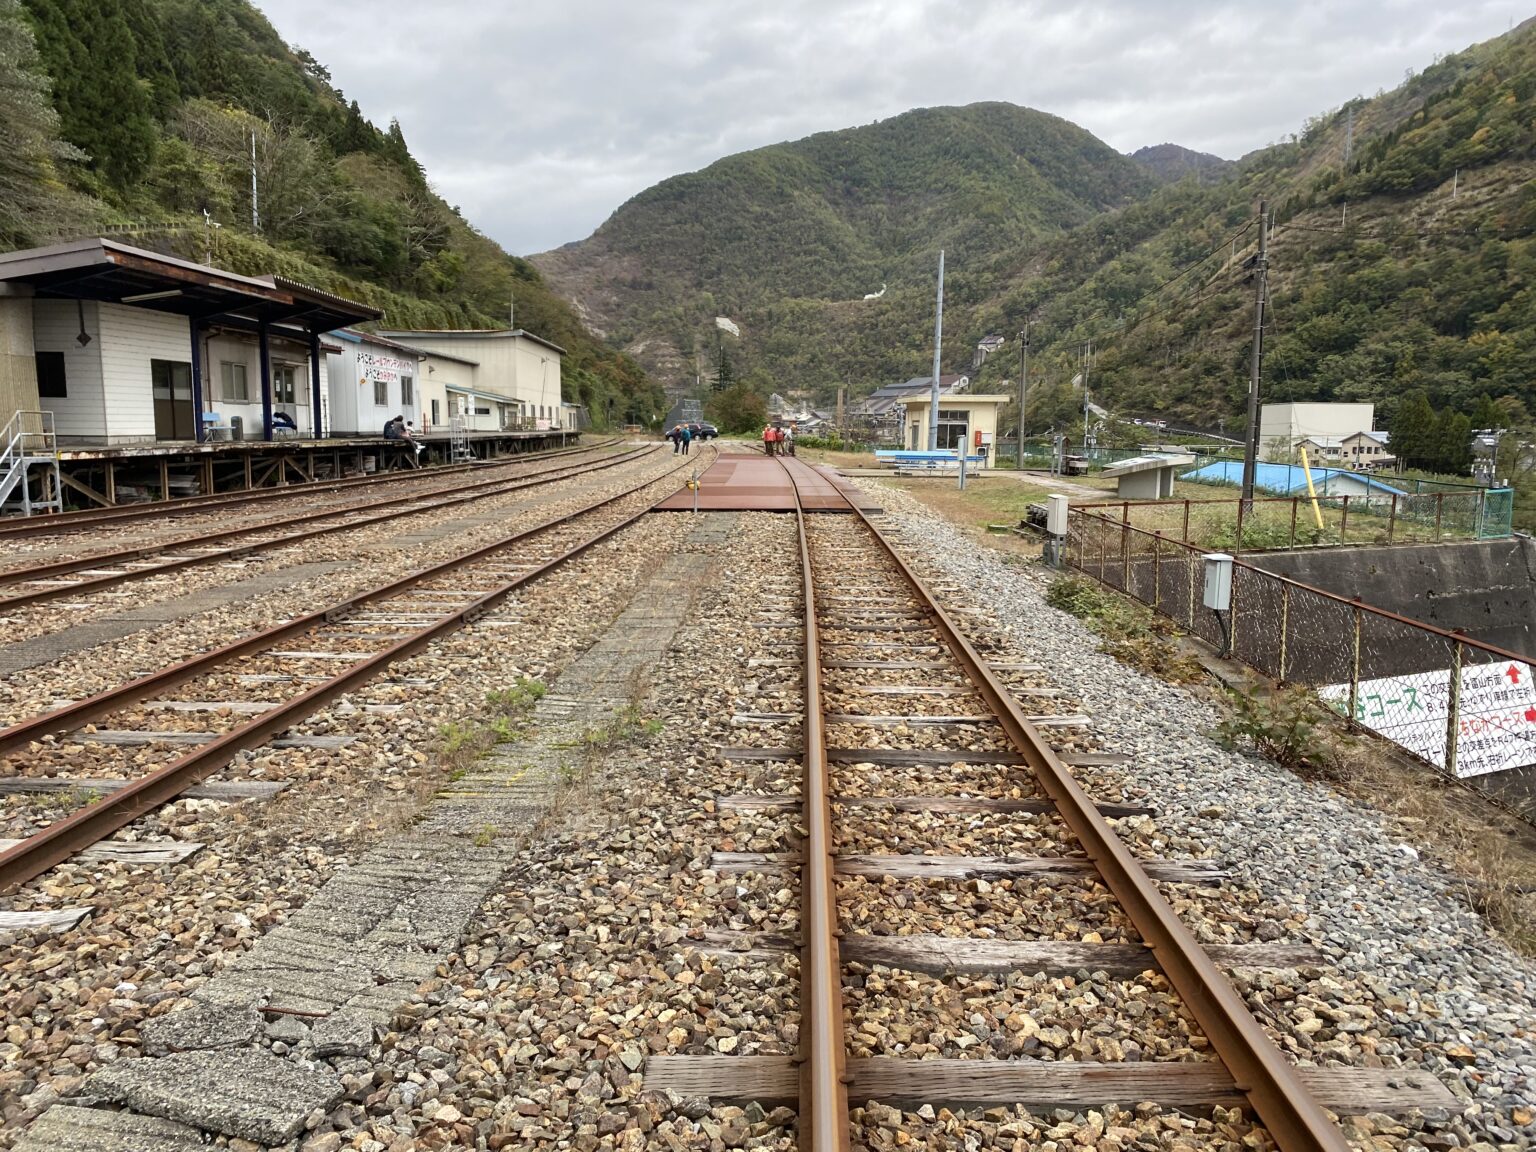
point(938, 345)
point(255, 215)
point(1023, 390)
point(842, 392)
point(512, 311)
point(1349, 137)
point(1260, 277)
point(1087, 363)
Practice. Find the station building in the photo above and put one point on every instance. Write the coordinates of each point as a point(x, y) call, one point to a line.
point(129, 374)
point(494, 378)
point(125, 346)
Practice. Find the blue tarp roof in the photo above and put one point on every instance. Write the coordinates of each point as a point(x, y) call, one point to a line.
point(1283, 479)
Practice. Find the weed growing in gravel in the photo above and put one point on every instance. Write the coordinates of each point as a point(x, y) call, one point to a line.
point(1130, 632)
point(522, 694)
point(1283, 726)
point(485, 836)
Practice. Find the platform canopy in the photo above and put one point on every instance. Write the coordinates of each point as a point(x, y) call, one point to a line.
point(109, 272)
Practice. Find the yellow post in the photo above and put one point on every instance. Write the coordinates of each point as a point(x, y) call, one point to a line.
point(1311, 491)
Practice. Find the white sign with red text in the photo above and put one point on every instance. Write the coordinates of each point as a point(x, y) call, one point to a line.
point(1496, 714)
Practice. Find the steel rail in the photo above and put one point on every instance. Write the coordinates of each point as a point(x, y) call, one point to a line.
point(456, 494)
point(93, 823)
point(824, 1120)
point(92, 708)
point(50, 524)
point(1281, 1101)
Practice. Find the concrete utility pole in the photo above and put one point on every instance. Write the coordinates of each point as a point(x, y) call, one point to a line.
point(1087, 411)
point(1260, 276)
point(1023, 390)
point(938, 345)
point(255, 215)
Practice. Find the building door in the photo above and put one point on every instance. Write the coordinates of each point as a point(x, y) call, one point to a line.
point(171, 385)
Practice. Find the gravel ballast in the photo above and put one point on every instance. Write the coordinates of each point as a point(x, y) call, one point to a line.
point(1419, 980)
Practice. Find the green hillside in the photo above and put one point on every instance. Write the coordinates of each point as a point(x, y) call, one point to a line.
point(137, 116)
point(1408, 266)
point(788, 238)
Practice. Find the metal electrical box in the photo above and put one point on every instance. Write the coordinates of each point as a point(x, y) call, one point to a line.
point(1218, 581)
point(1056, 515)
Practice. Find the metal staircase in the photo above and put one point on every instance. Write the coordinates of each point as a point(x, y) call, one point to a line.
point(458, 439)
point(29, 458)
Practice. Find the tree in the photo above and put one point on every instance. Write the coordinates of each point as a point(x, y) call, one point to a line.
point(1487, 414)
point(30, 148)
point(725, 375)
point(738, 409)
point(1413, 431)
point(89, 48)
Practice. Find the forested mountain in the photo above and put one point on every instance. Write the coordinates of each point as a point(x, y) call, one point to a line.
point(1171, 162)
point(1401, 255)
point(790, 238)
point(141, 113)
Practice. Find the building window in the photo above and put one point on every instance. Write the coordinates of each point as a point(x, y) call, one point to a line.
point(232, 384)
point(953, 424)
point(407, 389)
point(283, 385)
point(436, 417)
point(381, 393)
point(50, 375)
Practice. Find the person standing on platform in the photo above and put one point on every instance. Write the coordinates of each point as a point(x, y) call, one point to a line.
point(687, 435)
point(789, 440)
point(767, 439)
point(675, 435)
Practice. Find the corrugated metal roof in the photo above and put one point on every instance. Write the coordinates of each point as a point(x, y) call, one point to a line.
point(1283, 479)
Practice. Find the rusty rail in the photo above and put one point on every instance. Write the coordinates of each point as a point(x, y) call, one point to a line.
point(1283, 1104)
point(454, 494)
point(823, 1123)
point(1277, 1095)
point(80, 830)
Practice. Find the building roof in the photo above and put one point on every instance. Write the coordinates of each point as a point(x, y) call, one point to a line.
point(960, 401)
point(885, 398)
point(471, 334)
point(1283, 479)
point(108, 272)
point(1146, 464)
point(353, 335)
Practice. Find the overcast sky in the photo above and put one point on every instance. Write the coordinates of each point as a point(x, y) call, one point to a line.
point(540, 117)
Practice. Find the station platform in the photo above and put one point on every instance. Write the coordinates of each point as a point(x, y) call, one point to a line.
point(750, 482)
point(106, 475)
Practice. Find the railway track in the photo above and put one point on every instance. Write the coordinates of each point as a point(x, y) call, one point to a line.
point(24, 527)
point(903, 719)
point(83, 575)
point(267, 684)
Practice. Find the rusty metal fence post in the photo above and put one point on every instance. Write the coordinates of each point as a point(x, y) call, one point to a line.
point(1354, 665)
point(1344, 523)
point(1285, 619)
point(1157, 571)
point(1189, 558)
point(1184, 536)
point(1439, 512)
point(1392, 519)
point(1453, 710)
point(1295, 504)
point(1237, 542)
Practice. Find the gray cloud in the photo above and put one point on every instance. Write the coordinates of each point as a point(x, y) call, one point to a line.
point(539, 118)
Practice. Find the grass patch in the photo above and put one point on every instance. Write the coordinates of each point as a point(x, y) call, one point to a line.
point(1127, 630)
point(462, 742)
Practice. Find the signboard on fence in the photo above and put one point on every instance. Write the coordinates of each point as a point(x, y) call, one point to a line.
point(1496, 714)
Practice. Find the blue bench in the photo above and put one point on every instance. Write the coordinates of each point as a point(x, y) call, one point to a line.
point(905, 460)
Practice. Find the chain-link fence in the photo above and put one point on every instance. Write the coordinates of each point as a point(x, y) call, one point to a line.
point(1466, 707)
point(1294, 522)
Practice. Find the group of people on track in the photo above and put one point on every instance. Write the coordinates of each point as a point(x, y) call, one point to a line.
point(681, 436)
point(779, 440)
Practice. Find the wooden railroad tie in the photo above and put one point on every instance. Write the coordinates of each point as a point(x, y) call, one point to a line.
point(969, 955)
point(914, 867)
point(1039, 1085)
